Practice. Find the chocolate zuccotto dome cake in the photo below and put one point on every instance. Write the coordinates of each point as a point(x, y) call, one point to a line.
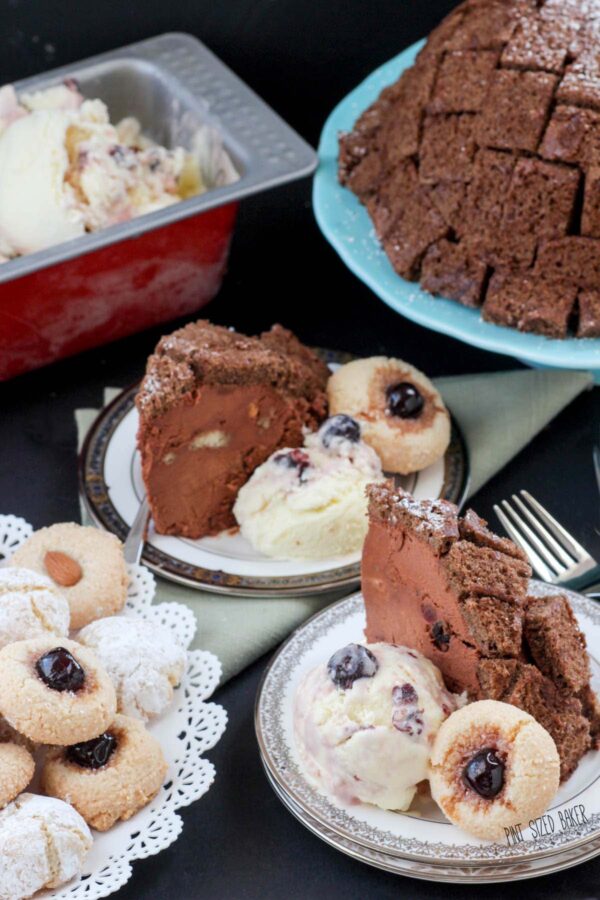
point(480, 166)
point(213, 405)
point(447, 586)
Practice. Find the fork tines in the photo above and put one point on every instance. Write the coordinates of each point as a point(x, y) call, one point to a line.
point(554, 554)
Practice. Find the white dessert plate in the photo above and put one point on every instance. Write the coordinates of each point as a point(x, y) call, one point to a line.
point(110, 482)
point(421, 842)
point(189, 728)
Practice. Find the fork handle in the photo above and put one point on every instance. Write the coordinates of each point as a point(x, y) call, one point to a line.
point(587, 583)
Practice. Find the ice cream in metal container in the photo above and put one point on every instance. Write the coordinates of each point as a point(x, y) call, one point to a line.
point(104, 285)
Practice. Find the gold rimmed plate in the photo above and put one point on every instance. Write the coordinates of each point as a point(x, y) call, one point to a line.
point(111, 486)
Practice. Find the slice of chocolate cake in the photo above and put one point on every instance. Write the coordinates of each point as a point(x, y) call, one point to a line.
point(561, 714)
point(447, 586)
point(213, 406)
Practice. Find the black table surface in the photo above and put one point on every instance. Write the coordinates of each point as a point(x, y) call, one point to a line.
point(302, 57)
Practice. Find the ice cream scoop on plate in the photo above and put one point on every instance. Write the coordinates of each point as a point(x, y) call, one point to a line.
point(365, 722)
point(310, 502)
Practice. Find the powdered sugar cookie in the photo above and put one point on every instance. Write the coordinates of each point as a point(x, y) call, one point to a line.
point(401, 414)
point(492, 766)
point(86, 564)
point(30, 605)
point(16, 771)
point(142, 659)
point(43, 844)
point(55, 693)
point(109, 778)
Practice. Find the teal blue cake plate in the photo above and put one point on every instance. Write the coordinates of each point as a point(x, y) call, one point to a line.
point(347, 226)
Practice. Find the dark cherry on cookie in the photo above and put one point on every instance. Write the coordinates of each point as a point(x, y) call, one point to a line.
point(484, 773)
point(60, 671)
point(340, 426)
point(351, 663)
point(93, 754)
point(404, 400)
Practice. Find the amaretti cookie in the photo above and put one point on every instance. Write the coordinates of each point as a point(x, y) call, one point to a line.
point(55, 693)
point(43, 844)
point(142, 659)
point(401, 414)
point(30, 605)
point(109, 778)
point(493, 766)
point(86, 564)
point(16, 771)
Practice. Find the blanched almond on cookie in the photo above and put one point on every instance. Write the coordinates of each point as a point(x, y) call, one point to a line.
point(63, 569)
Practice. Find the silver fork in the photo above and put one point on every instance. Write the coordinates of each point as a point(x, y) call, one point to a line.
point(554, 554)
point(134, 544)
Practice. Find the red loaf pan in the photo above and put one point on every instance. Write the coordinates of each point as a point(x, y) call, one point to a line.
point(103, 286)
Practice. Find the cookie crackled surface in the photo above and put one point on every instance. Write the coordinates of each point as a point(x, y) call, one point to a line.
point(43, 844)
point(479, 166)
point(142, 659)
point(213, 405)
point(30, 605)
point(447, 586)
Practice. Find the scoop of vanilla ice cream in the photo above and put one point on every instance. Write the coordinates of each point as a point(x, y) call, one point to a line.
point(310, 503)
point(364, 723)
point(37, 206)
point(66, 169)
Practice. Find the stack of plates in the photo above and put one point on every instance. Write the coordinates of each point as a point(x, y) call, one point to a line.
point(420, 843)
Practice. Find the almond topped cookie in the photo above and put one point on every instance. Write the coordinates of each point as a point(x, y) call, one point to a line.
point(86, 564)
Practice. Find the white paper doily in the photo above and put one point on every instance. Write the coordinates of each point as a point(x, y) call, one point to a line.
point(189, 728)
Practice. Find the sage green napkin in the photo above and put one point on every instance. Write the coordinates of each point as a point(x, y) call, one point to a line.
point(498, 413)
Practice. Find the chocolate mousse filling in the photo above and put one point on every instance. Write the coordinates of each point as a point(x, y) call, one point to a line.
point(447, 586)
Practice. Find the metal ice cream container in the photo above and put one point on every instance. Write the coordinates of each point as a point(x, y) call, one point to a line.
point(110, 283)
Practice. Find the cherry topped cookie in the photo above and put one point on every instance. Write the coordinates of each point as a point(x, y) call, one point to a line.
point(86, 564)
point(109, 778)
point(54, 691)
point(401, 414)
point(493, 766)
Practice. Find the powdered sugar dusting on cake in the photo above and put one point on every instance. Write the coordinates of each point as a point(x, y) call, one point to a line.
point(202, 353)
point(434, 520)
